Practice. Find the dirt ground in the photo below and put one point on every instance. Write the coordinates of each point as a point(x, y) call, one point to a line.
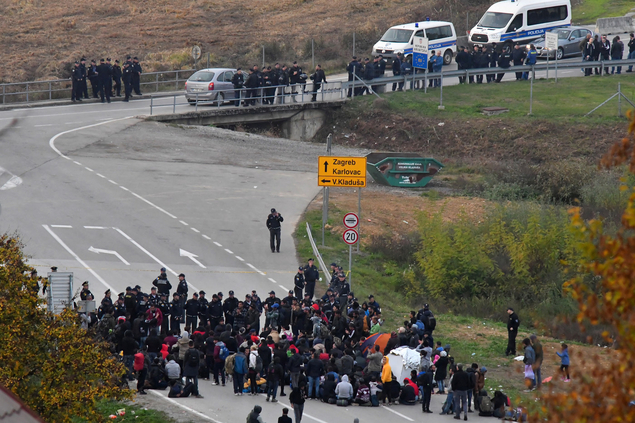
point(395, 211)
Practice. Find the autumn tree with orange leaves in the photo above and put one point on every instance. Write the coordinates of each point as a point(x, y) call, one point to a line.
point(603, 394)
point(48, 360)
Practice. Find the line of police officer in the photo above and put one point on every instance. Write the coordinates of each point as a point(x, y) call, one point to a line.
point(274, 83)
point(102, 76)
point(368, 71)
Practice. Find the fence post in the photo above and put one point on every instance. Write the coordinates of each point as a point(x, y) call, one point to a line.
point(531, 90)
point(176, 87)
point(619, 99)
point(174, 104)
point(27, 92)
point(157, 81)
point(50, 93)
point(151, 104)
point(441, 106)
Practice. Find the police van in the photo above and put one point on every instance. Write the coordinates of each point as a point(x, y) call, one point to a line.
point(520, 21)
point(398, 39)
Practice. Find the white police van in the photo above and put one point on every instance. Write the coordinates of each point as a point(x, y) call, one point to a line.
point(520, 21)
point(398, 39)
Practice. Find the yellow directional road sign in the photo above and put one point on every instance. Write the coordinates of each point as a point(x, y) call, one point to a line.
point(348, 172)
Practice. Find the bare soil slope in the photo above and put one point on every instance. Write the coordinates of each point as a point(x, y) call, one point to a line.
point(42, 38)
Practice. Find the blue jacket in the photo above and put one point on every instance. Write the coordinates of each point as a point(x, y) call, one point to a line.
point(437, 63)
point(240, 364)
point(532, 56)
point(564, 357)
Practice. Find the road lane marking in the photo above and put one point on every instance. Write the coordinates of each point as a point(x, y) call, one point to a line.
point(52, 140)
point(185, 223)
point(272, 280)
point(206, 237)
point(399, 414)
point(112, 182)
point(88, 169)
point(285, 289)
point(303, 414)
point(191, 256)
point(184, 407)
point(153, 205)
point(62, 226)
point(77, 163)
point(79, 260)
point(112, 252)
point(240, 258)
point(124, 188)
point(95, 227)
point(39, 126)
point(229, 251)
point(196, 230)
point(100, 175)
point(217, 244)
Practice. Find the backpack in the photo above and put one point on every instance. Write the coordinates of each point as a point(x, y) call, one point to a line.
point(324, 331)
point(487, 407)
point(229, 364)
point(258, 367)
point(194, 358)
point(224, 352)
point(432, 323)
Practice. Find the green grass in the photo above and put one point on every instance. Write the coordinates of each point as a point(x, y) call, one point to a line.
point(588, 11)
point(570, 98)
point(134, 413)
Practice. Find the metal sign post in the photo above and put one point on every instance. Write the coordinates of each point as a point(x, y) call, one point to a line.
point(196, 54)
point(325, 192)
point(420, 59)
point(350, 236)
point(551, 44)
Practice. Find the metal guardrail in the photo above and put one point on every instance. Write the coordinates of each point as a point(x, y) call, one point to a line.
point(283, 94)
point(61, 88)
point(317, 254)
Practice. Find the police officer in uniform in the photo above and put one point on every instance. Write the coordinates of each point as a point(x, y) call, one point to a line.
point(353, 68)
point(238, 81)
point(136, 75)
point(252, 85)
point(162, 283)
point(518, 57)
point(176, 313)
point(311, 275)
point(83, 295)
point(229, 305)
point(120, 307)
point(84, 84)
point(93, 76)
point(78, 79)
point(130, 301)
point(191, 311)
point(269, 92)
point(104, 76)
point(116, 77)
point(182, 290)
point(462, 61)
point(127, 80)
point(318, 79)
point(294, 77)
point(504, 60)
point(202, 309)
point(396, 71)
point(273, 223)
point(164, 306)
point(299, 283)
point(215, 311)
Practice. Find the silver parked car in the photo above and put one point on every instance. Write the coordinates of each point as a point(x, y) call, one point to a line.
point(214, 84)
point(569, 38)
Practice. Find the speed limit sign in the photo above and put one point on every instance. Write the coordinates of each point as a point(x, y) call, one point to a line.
point(350, 236)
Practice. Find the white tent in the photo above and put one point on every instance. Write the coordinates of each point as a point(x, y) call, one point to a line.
point(402, 361)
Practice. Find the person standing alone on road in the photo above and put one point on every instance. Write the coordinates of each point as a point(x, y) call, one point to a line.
point(318, 79)
point(512, 330)
point(273, 224)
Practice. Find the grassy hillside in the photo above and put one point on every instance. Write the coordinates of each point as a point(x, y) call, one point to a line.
point(41, 38)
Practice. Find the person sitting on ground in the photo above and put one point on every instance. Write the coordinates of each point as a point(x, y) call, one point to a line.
point(328, 388)
point(500, 401)
point(179, 391)
point(254, 415)
point(344, 390)
point(363, 393)
point(408, 393)
point(173, 369)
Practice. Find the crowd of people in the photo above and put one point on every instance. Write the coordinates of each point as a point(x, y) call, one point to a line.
point(596, 49)
point(316, 346)
point(105, 79)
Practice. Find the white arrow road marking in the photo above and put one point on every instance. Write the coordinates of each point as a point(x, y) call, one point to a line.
point(13, 182)
point(191, 256)
point(114, 253)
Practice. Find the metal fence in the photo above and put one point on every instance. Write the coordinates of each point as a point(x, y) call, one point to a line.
point(282, 94)
point(61, 88)
point(339, 90)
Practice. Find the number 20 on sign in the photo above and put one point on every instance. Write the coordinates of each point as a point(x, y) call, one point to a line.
point(350, 236)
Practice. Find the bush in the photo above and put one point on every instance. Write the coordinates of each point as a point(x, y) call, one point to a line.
point(397, 248)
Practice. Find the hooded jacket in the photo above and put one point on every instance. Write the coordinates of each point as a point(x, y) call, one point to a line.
point(344, 389)
point(254, 415)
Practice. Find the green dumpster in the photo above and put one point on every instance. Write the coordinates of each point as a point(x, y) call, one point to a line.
point(408, 170)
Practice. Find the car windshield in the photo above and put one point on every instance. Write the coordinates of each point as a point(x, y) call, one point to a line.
point(202, 76)
point(495, 20)
point(563, 34)
point(397, 35)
